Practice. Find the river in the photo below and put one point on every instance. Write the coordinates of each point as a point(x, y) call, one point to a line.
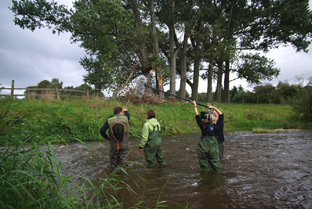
point(259, 170)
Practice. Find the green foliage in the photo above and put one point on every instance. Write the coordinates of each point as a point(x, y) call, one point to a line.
point(44, 84)
point(302, 104)
point(83, 119)
point(31, 176)
point(117, 36)
point(11, 122)
point(255, 68)
point(283, 93)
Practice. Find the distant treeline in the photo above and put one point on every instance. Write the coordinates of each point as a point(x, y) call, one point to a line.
point(283, 93)
point(56, 83)
point(298, 95)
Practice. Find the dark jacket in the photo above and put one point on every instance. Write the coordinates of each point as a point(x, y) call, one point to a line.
point(105, 126)
point(206, 131)
point(220, 125)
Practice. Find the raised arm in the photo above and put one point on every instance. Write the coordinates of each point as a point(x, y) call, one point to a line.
point(216, 109)
point(195, 108)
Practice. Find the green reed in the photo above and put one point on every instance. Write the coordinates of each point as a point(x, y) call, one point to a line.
point(31, 176)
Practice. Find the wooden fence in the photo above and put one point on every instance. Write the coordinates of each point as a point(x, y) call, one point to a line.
point(31, 90)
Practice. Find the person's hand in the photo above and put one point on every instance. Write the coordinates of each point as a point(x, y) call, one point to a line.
point(194, 103)
point(124, 109)
point(141, 150)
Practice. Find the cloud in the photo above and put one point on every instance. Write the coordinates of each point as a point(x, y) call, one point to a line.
point(30, 57)
point(292, 64)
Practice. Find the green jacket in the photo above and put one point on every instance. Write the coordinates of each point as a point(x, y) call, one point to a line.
point(147, 129)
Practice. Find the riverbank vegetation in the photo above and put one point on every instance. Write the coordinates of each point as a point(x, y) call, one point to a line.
point(82, 118)
point(32, 175)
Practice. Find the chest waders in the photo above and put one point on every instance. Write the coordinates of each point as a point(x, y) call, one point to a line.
point(208, 153)
point(153, 149)
point(118, 131)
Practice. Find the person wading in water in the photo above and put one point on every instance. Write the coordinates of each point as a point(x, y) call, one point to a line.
point(118, 127)
point(151, 141)
point(207, 148)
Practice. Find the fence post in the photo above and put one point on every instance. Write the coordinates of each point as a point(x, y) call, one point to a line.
point(88, 94)
point(57, 93)
point(12, 89)
point(28, 93)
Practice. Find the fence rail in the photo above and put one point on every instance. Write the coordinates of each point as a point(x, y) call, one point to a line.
point(29, 91)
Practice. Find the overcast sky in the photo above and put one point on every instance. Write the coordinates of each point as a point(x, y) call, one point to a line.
point(30, 57)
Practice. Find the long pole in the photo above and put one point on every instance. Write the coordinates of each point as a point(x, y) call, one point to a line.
point(176, 96)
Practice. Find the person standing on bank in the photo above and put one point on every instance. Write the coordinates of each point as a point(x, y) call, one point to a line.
point(151, 141)
point(207, 148)
point(119, 128)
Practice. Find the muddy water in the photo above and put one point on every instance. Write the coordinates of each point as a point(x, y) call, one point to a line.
point(260, 170)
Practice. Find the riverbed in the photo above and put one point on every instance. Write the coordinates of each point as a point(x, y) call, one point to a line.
point(259, 170)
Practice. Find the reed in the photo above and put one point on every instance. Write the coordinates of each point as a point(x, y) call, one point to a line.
point(31, 177)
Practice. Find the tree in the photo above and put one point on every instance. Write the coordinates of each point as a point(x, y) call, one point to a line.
point(120, 39)
point(286, 92)
point(44, 84)
point(255, 68)
point(264, 94)
point(111, 32)
point(156, 66)
point(260, 25)
point(302, 104)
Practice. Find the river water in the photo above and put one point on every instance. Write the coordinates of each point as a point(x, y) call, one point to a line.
point(259, 170)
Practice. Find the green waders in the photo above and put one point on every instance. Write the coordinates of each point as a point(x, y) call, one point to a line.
point(208, 153)
point(221, 149)
point(153, 149)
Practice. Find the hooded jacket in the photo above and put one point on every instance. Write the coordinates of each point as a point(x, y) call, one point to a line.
point(148, 127)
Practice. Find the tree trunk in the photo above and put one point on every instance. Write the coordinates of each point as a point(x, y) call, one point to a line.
point(197, 61)
point(158, 75)
point(219, 81)
point(196, 76)
point(173, 64)
point(142, 55)
point(209, 80)
point(227, 81)
point(183, 67)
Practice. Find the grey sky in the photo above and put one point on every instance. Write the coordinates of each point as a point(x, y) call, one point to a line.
point(30, 57)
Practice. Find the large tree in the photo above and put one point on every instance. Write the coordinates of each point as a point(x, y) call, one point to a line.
point(121, 40)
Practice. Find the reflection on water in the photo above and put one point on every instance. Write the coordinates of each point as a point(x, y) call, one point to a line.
point(260, 170)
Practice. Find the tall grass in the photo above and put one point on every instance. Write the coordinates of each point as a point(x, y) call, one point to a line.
point(31, 177)
point(83, 119)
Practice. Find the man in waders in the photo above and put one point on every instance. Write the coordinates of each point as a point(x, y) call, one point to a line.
point(151, 141)
point(118, 127)
point(207, 148)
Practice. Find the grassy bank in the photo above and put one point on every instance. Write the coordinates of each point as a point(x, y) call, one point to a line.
point(83, 118)
point(31, 177)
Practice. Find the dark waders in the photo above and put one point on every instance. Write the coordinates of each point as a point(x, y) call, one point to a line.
point(118, 156)
point(118, 130)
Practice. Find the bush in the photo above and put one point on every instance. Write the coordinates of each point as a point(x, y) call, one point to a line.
point(302, 105)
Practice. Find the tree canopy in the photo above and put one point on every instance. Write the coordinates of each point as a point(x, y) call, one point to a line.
point(125, 38)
